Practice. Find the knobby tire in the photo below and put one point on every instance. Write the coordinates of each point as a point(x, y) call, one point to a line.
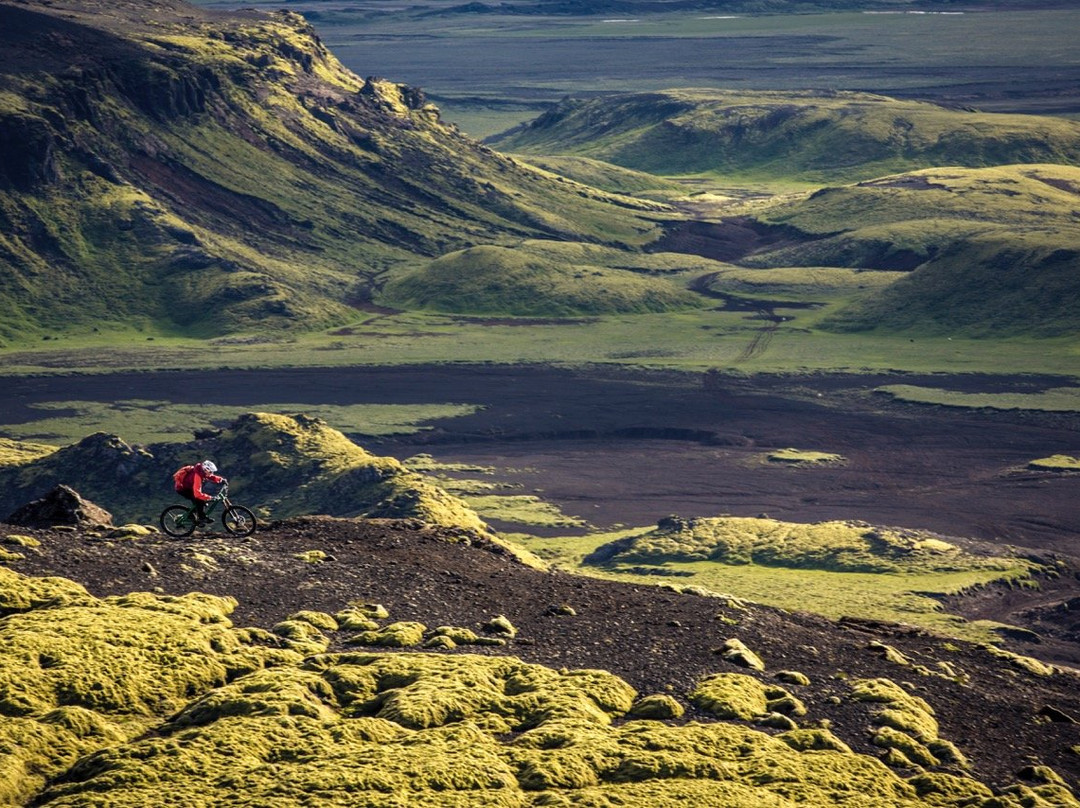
point(177, 521)
point(238, 520)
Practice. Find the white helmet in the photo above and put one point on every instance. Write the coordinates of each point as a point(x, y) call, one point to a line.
point(208, 467)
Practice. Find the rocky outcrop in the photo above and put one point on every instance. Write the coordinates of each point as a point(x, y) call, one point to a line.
point(61, 506)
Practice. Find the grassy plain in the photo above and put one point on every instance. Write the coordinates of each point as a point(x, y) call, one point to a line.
point(905, 596)
point(691, 340)
point(1017, 60)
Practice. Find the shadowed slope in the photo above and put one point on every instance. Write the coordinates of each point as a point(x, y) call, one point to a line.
point(164, 165)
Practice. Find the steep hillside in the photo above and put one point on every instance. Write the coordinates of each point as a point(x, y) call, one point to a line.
point(163, 166)
point(810, 136)
point(278, 465)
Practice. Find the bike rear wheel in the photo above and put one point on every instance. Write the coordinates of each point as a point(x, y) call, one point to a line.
point(177, 520)
point(238, 520)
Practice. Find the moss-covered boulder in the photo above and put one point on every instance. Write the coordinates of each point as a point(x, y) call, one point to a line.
point(79, 673)
point(280, 465)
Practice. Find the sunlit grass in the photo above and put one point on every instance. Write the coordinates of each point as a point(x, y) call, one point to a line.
point(146, 422)
point(897, 596)
point(1056, 399)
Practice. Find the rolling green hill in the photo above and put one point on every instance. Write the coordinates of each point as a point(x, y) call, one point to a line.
point(188, 171)
point(809, 136)
point(993, 251)
point(544, 278)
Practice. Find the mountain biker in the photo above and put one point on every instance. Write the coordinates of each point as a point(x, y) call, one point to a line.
point(188, 483)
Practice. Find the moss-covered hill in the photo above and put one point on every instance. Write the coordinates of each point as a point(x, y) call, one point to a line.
point(547, 278)
point(812, 136)
point(583, 692)
point(279, 465)
point(178, 169)
point(993, 251)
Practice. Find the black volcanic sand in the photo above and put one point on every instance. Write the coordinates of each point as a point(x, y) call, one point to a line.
point(630, 447)
point(1002, 717)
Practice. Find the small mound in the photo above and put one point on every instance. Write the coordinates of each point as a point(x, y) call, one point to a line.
point(539, 279)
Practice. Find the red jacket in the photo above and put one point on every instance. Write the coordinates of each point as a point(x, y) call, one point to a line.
point(189, 482)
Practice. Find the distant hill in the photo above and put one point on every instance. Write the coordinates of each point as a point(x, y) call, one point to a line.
point(543, 278)
point(811, 136)
point(187, 170)
point(589, 7)
point(993, 251)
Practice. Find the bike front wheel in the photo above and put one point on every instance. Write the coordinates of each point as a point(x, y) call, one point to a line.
point(238, 520)
point(178, 521)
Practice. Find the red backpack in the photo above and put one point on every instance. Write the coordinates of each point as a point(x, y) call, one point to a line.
point(181, 479)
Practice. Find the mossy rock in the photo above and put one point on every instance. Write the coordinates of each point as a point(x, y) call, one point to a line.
point(458, 634)
point(130, 531)
point(301, 636)
point(776, 720)
point(731, 695)
point(321, 620)
point(396, 635)
point(658, 707)
point(736, 652)
point(912, 750)
point(500, 625)
point(354, 620)
point(1058, 462)
point(375, 611)
point(888, 653)
point(793, 678)
point(105, 670)
point(810, 739)
point(20, 540)
point(902, 711)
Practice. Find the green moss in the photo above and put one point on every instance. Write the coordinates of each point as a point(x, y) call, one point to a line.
point(374, 611)
point(15, 453)
point(807, 739)
point(912, 750)
point(311, 556)
point(731, 695)
point(948, 789)
point(735, 651)
point(793, 677)
point(301, 635)
point(500, 624)
point(889, 653)
point(550, 279)
point(901, 711)
point(657, 707)
point(21, 540)
point(836, 546)
point(803, 457)
point(1025, 663)
point(1057, 462)
point(78, 673)
point(460, 635)
point(396, 635)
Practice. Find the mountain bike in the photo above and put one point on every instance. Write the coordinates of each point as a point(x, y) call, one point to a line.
point(180, 520)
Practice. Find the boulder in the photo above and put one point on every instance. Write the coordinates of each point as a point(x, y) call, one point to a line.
point(61, 506)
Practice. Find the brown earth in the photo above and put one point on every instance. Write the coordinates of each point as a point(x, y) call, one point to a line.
point(1001, 716)
point(620, 447)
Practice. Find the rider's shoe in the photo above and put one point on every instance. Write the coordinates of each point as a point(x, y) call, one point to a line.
point(206, 520)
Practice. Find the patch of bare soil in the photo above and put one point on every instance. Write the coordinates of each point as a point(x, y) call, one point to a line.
point(632, 447)
point(1003, 717)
